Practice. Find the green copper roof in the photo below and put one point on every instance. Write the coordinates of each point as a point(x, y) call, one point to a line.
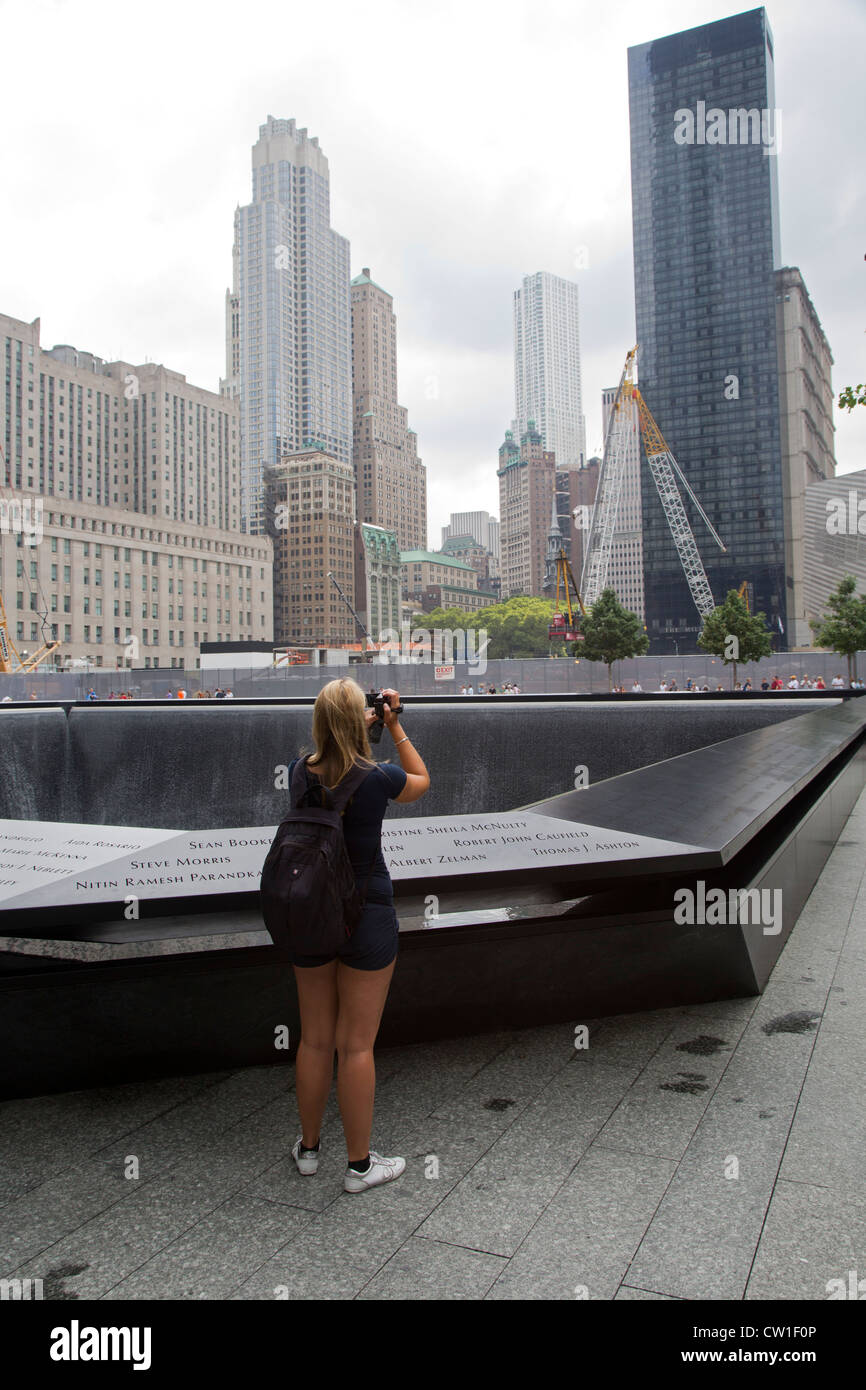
point(363, 279)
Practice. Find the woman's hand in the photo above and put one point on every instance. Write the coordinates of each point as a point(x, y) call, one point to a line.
point(369, 717)
point(392, 701)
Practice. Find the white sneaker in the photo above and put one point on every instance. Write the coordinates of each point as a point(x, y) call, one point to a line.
point(306, 1162)
point(380, 1170)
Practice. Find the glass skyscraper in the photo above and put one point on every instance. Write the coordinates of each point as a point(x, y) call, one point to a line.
point(704, 142)
point(288, 331)
point(547, 383)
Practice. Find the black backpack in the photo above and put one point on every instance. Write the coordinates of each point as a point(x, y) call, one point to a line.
point(309, 897)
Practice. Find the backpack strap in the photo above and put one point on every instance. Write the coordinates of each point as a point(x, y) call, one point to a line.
point(335, 799)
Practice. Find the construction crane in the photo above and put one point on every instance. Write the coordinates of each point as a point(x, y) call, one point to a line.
point(366, 651)
point(665, 472)
point(743, 593)
point(560, 629)
point(11, 662)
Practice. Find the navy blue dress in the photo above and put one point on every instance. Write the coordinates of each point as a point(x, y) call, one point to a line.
point(373, 943)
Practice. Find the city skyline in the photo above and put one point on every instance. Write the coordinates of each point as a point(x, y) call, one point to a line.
point(153, 286)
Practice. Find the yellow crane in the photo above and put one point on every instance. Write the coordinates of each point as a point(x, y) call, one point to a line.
point(11, 663)
point(559, 629)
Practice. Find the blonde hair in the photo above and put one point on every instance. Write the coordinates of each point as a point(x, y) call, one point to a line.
point(340, 731)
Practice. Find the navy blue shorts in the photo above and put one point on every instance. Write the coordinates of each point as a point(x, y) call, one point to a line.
point(372, 945)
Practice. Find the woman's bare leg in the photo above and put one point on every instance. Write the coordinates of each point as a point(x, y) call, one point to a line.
point(314, 1064)
point(362, 995)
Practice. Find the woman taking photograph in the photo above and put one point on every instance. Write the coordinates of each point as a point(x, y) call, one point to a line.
point(342, 997)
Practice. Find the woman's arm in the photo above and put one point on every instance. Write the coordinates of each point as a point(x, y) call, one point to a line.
point(417, 777)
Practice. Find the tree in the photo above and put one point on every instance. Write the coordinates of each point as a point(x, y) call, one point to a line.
point(851, 396)
point(517, 628)
point(843, 630)
point(735, 634)
point(611, 633)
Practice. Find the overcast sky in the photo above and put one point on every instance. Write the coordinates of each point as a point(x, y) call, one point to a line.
point(469, 144)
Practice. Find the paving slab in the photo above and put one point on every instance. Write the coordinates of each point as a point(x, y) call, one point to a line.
point(812, 1236)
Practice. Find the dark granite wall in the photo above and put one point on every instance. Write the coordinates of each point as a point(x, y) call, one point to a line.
point(194, 766)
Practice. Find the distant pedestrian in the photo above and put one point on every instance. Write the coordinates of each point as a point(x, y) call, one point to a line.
point(91, 694)
point(636, 688)
point(220, 693)
point(837, 683)
point(471, 690)
point(463, 690)
point(230, 695)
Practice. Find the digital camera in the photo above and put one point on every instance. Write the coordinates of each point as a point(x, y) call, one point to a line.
point(376, 701)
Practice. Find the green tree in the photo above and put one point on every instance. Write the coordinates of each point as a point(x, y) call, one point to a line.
point(843, 629)
point(735, 634)
point(611, 633)
point(517, 628)
point(851, 396)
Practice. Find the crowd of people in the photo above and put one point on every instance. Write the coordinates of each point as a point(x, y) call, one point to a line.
point(804, 682)
point(665, 687)
point(509, 688)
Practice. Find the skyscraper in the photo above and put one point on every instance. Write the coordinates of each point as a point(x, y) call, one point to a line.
point(625, 575)
point(704, 142)
point(288, 329)
point(547, 383)
point(391, 479)
point(527, 486)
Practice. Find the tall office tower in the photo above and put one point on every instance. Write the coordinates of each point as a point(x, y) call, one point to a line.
point(310, 514)
point(625, 575)
point(704, 140)
point(527, 484)
point(808, 454)
point(547, 378)
point(391, 479)
point(290, 349)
